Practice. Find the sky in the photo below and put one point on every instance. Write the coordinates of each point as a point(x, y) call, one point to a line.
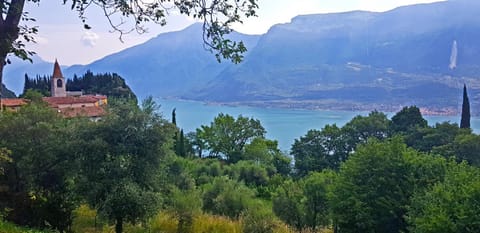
point(61, 35)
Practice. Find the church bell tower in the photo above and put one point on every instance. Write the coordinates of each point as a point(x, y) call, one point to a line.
point(58, 88)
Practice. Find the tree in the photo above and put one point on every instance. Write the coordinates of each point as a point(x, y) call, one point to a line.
point(372, 189)
point(121, 161)
point(427, 139)
point(217, 17)
point(180, 144)
point(266, 152)
point(316, 191)
point(407, 119)
point(465, 120)
point(108, 84)
point(465, 147)
point(196, 144)
point(361, 128)
point(304, 204)
point(40, 169)
point(226, 136)
point(174, 116)
point(287, 203)
point(450, 205)
point(331, 146)
point(319, 150)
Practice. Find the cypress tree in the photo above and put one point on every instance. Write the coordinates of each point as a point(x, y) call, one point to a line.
point(174, 117)
point(26, 84)
point(182, 144)
point(465, 121)
point(179, 144)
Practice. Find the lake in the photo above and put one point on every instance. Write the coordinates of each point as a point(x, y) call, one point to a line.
point(283, 125)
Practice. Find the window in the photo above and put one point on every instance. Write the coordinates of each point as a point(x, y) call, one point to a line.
point(59, 83)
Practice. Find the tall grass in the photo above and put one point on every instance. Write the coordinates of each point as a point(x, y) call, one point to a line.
point(86, 221)
point(6, 227)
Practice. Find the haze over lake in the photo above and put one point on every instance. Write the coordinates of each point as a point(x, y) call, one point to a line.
point(283, 125)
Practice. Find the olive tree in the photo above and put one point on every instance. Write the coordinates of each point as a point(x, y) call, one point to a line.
point(226, 136)
point(122, 156)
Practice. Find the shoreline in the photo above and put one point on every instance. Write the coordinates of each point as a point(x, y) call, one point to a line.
point(328, 106)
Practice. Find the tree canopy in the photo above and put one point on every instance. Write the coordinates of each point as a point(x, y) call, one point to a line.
point(226, 136)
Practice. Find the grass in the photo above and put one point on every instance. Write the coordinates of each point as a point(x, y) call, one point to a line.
point(86, 221)
point(6, 227)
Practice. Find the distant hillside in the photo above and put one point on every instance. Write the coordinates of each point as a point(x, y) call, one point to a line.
point(170, 64)
point(358, 60)
point(14, 74)
point(6, 93)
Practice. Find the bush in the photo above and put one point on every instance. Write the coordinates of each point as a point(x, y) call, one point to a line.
point(258, 219)
point(226, 197)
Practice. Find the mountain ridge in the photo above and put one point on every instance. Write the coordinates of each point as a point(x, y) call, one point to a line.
point(383, 54)
point(348, 60)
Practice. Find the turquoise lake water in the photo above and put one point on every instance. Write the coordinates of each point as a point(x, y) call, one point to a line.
point(283, 125)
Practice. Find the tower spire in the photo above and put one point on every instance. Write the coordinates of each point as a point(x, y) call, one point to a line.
point(57, 73)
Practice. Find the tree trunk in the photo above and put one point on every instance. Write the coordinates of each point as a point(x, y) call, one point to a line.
point(2, 64)
point(9, 32)
point(119, 225)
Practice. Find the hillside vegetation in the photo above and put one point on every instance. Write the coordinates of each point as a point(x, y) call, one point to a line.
point(135, 172)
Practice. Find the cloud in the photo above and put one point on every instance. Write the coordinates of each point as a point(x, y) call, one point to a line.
point(90, 38)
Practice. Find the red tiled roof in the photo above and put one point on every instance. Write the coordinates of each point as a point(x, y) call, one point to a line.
point(83, 111)
point(13, 102)
point(99, 97)
point(57, 73)
point(55, 101)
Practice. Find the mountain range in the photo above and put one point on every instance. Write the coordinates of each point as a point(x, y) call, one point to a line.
point(413, 55)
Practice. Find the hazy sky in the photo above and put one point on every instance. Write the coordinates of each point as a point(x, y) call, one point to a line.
point(62, 36)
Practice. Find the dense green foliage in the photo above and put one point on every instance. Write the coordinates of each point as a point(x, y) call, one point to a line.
point(111, 85)
point(41, 84)
point(226, 136)
point(371, 175)
point(120, 162)
point(108, 84)
point(408, 119)
point(38, 181)
point(304, 203)
point(329, 147)
point(450, 205)
point(373, 188)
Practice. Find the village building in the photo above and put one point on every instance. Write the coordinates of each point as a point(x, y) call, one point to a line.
point(73, 104)
point(68, 104)
point(13, 104)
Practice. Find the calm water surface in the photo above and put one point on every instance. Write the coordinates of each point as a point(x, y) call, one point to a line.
point(283, 125)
